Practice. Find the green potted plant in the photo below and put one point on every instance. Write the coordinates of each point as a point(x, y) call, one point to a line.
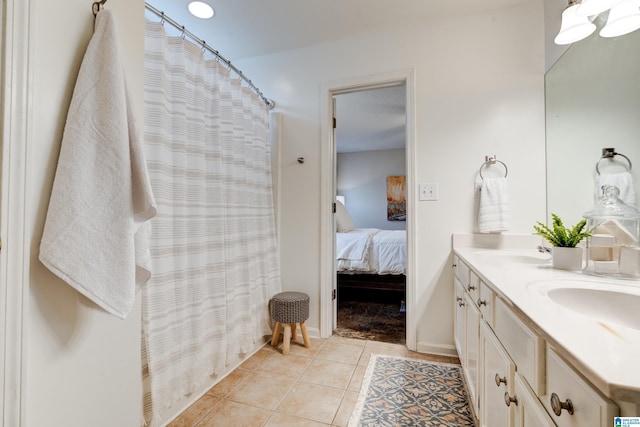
point(565, 254)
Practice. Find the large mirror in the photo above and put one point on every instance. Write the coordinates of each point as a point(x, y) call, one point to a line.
point(592, 102)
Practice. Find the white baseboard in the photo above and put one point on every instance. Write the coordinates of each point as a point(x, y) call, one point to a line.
point(313, 332)
point(439, 349)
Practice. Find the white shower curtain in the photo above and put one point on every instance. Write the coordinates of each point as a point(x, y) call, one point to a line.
point(213, 244)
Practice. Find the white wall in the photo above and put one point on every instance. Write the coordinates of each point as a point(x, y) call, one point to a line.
point(362, 179)
point(479, 90)
point(83, 365)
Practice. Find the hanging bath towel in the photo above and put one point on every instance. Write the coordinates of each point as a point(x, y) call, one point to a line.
point(493, 212)
point(94, 236)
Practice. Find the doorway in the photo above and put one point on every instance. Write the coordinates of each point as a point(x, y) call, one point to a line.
point(363, 88)
point(370, 138)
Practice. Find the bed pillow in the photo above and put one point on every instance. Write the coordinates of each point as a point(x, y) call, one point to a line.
point(344, 223)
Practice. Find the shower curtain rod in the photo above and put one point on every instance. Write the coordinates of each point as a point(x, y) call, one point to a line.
point(164, 18)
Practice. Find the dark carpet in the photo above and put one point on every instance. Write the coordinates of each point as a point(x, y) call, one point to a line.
point(376, 319)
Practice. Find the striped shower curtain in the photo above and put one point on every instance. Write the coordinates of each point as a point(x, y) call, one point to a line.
point(213, 243)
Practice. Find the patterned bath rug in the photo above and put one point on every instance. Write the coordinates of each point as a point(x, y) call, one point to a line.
point(397, 391)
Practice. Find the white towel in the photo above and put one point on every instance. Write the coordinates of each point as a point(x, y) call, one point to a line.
point(94, 236)
point(624, 182)
point(493, 213)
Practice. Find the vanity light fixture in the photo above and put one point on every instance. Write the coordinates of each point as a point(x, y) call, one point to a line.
point(574, 27)
point(578, 17)
point(200, 9)
point(623, 18)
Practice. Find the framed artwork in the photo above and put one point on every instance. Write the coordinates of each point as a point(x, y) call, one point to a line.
point(396, 198)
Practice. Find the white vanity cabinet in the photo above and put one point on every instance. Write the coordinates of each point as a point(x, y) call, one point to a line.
point(466, 325)
point(498, 371)
point(511, 371)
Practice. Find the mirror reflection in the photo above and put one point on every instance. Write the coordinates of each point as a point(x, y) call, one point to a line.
point(592, 102)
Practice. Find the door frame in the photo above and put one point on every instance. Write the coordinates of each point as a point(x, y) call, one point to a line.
point(15, 122)
point(328, 191)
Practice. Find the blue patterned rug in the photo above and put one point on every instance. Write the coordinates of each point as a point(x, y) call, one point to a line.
point(398, 391)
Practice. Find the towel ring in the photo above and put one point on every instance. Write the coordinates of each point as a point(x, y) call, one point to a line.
point(610, 153)
point(487, 163)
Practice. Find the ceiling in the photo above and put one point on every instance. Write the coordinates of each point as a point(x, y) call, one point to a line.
point(249, 28)
point(371, 120)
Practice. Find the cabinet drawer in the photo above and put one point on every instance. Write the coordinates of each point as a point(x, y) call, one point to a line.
point(485, 303)
point(590, 409)
point(525, 347)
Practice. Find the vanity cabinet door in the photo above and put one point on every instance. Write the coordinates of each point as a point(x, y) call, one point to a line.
point(459, 320)
point(497, 372)
point(571, 401)
point(527, 409)
point(472, 332)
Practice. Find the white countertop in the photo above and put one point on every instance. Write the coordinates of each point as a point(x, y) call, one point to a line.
point(607, 354)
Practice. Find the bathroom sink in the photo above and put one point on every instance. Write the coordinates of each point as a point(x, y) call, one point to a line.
point(606, 302)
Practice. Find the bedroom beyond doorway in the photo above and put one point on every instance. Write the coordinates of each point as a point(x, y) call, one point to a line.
point(371, 167)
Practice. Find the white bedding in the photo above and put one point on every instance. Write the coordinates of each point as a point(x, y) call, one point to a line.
point(370, 250)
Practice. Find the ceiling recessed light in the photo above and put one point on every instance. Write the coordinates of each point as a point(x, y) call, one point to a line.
point(201, 9)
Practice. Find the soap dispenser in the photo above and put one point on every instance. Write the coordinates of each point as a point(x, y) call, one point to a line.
point(613, 250)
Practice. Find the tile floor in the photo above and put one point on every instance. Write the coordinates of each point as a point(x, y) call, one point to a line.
point(315, 386)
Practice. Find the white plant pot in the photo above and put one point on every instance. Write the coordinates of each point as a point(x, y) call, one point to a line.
point(566, 258)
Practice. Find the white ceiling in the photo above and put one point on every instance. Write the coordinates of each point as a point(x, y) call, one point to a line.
point(248, 28)
point(370, 120)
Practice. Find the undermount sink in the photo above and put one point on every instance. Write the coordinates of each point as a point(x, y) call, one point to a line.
point(606, 302)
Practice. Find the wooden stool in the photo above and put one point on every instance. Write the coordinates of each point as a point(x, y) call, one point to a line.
point(289, 308)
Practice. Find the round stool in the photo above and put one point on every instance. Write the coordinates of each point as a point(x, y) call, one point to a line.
point(289, 308)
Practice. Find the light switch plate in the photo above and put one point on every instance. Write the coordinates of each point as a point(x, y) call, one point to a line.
point(428, 191)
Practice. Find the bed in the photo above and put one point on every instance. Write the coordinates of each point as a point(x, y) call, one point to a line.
point(371, 258)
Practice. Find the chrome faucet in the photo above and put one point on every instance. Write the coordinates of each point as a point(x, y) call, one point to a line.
point(544, 249)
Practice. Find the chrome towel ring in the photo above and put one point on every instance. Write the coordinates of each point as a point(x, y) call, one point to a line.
point(491, 160)
point(610, 153)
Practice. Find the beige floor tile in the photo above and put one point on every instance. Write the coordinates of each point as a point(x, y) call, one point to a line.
point(234, 414)
point(196, 412)
point(345, 340)
point(312, 401)
point(290, 366)
point(282, 420)
point(299, 349)
point(329, 373)
point(346, 408)
point(389, 351)
point(338, 352)
point(395, 348)
point(257, 359)
point(356, 380)
point(230, 382)
point(262, 390)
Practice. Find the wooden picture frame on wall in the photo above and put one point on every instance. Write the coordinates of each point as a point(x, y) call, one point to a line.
point(396, 198)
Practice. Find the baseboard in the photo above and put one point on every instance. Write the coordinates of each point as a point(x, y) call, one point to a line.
point(313, 332)
point(439, 349)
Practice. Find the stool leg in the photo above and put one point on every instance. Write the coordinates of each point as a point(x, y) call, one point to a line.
point(294, 335)
point(303, 328)
point(276, 334)
point(286, 340)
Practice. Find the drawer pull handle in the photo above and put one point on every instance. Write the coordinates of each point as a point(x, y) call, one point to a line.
point(500, 381)
point(557, 405)
point(454, 265)
point(458, 299)
point(471, 288)
point(482, 302)
point(508, 399)
point(460, 303)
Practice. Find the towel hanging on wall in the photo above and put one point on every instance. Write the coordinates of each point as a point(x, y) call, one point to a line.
point(94, 236)
point(493, 211)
